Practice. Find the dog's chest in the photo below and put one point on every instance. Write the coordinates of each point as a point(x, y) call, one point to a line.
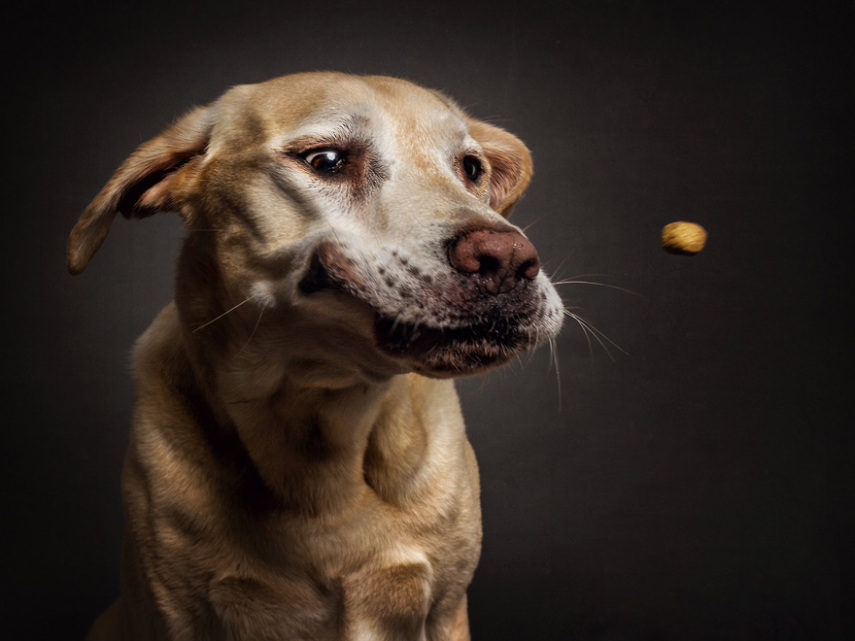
point(366, 586)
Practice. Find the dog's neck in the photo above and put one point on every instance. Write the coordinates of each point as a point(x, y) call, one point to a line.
point(323, 450)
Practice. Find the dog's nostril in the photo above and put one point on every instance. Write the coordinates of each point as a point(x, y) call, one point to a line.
point(488, 264)
point(529, 269)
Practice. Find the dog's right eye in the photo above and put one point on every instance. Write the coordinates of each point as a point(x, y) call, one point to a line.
point(472, 168)
point(325, 161)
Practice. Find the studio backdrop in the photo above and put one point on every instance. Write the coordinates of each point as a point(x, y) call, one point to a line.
point(677, 467)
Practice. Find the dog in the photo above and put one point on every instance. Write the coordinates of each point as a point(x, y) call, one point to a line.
point(298, 467)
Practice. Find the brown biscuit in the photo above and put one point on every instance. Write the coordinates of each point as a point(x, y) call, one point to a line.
point(683, 238)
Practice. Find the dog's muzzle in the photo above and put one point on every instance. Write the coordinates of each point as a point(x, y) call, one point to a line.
point(477, 312)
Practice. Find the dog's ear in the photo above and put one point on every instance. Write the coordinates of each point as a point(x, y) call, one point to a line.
point(143, 185)
point(510, 161)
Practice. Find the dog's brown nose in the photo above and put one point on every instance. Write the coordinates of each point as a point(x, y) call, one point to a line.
point(502, 257)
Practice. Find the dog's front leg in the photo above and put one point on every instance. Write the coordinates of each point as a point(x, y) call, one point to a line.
point(460, 626)
point(451, 625)
point(460, 622)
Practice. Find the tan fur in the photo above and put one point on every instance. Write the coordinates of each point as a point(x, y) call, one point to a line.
point(295, 473)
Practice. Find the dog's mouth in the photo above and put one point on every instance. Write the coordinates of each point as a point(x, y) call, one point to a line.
point(451, 351)
point(445, 330)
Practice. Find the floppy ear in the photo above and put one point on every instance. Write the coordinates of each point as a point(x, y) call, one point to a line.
point(144, 184)
point(510, 161)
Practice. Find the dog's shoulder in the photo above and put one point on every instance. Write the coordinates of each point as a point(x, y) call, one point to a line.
point(159, 353)
point(171, 415)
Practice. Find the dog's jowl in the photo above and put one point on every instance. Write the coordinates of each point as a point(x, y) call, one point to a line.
point(298, 467)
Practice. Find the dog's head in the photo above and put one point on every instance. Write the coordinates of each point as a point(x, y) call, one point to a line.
point(341, 225)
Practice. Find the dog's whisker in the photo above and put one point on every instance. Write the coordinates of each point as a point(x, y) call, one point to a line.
point(553, 351)
point(585, 332)
point(254, 329)
point(589, 275)
point(598, 335)
point(225, 313)
point(560, 266)
point(598, 332)
point(533, 223)
point(529, 356)
point(595, 283)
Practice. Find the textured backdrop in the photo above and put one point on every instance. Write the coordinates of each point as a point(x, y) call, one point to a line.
point(687, 477)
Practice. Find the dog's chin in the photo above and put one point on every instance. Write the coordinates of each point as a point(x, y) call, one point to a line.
point(445, 352)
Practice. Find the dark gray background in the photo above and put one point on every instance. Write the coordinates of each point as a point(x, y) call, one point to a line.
point(698, 486)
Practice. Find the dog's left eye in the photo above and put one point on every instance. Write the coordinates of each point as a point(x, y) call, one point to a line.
point(472, 168)
point(326, 161)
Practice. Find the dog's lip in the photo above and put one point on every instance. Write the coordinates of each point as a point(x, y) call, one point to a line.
point(317, 277)
point(450, 351)
point(397, 336)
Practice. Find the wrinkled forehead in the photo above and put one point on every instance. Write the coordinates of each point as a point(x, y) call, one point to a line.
point(328, 105)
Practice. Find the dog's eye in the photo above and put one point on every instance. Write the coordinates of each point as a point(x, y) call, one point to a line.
point(472, 168)
point(326, 161)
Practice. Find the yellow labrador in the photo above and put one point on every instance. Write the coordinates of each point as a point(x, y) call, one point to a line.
point(298, 467)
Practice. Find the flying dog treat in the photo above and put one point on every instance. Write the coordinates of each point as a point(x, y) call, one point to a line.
point(683, 238)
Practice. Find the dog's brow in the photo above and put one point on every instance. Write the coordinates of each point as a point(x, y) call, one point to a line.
point(321, 129)
point(471, 145)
